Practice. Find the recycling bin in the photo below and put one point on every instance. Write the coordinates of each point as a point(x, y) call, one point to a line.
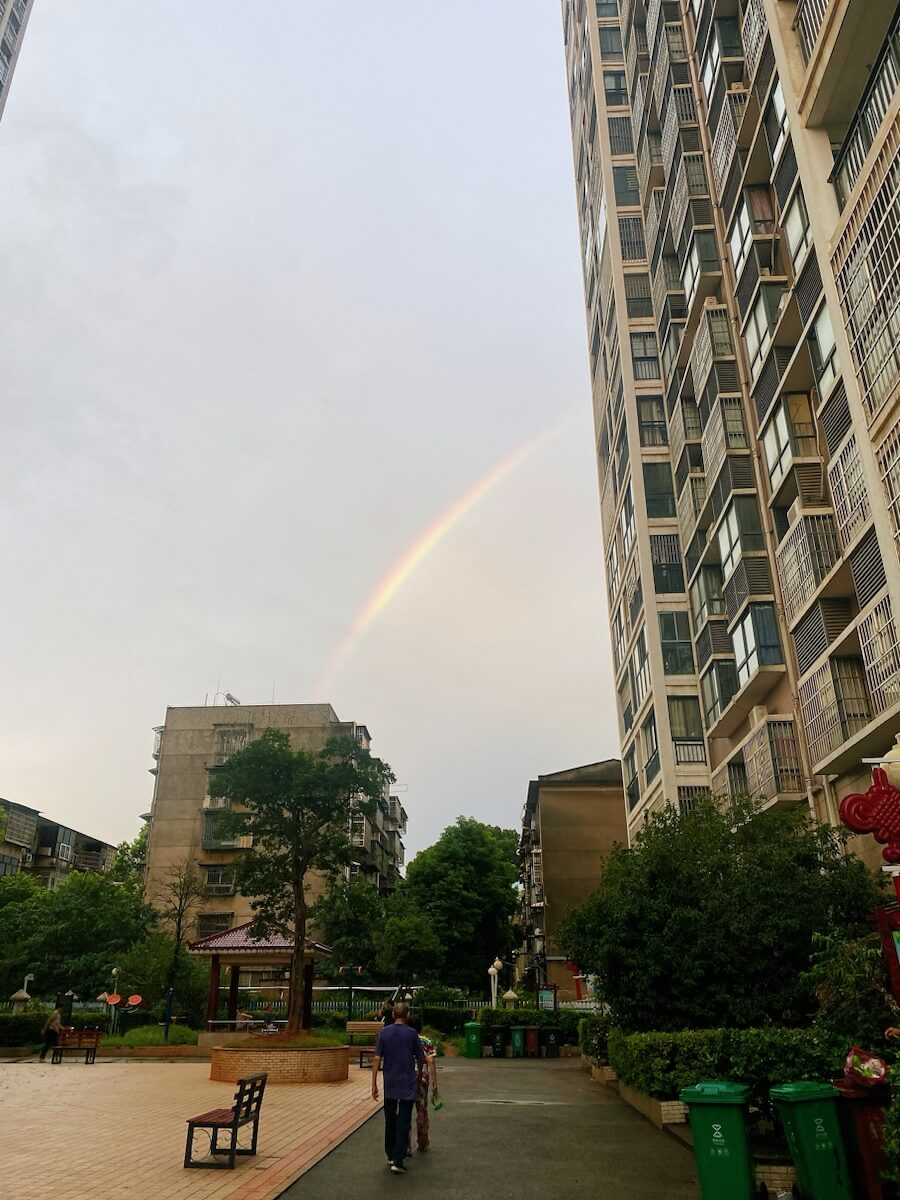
point(809, 1113)
point(861, 1115)
point(718, 1112)
point(532, 1041)
point(473, 1039)
point(498, 1041)
point(551, 1041)
point(517, 1040)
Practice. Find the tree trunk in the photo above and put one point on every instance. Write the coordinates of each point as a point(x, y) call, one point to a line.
point(298, 962)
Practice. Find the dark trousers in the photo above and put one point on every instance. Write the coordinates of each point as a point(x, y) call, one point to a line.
point(397, 1119)
point(51, 1037)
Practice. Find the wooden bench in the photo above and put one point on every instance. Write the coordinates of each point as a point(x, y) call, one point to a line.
point(77, 1040)
point(245, 1111)
point(364, 1029)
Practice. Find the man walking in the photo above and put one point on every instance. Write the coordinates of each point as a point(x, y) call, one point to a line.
point(398, 1046)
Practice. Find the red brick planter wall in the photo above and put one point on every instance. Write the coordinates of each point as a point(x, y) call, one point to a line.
point(285, 1064)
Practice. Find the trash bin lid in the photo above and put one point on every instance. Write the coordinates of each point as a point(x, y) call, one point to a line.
point(473, 1025)
point(517, 1028)
point(802, 1090)
point(716, 1091)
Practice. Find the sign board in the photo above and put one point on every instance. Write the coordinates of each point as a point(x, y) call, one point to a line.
point(547, 998)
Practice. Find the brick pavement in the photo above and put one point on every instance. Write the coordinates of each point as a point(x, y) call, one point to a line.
point(118, 1128)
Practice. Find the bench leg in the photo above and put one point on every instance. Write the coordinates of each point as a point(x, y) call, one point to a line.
point(188, 1147)
point(255, 1134)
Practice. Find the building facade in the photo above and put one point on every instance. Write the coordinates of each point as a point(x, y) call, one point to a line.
point(12, 30)
point(46, 849)
point(570, 822)
point(184, 818)
point(736, 169)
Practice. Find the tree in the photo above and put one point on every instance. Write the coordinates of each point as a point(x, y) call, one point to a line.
point(348, 917)
point(130, 860)
point(296, 807)
point(24, 915)
point(147, 968)
point(176, 896)
point(465, 886)
point(408, 950)
point(710, 917)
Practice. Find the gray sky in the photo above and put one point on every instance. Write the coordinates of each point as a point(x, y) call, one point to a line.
point(281, 283)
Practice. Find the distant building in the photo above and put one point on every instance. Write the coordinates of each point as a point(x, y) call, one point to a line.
point(184, 821)
point(45, 849)
point(12, 30)
point(571, 821)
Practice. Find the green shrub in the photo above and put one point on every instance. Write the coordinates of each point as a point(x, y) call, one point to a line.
point(565, 1020)
point(593, 1037)
point(892, 1139)
point(22, 1029)
point(152, 1035)
point(660, 1064)
point(446, 1020)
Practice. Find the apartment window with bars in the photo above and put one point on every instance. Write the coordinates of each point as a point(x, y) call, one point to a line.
point(652, 421)
point(215, 835)
point(620, 135)
point(211, 923)
point(631, 238)
point(668, 571)
point(8, 865)
point(625, 182)
point(659, 494)
point(644, 356)
point(677, 649)
point(717, 687)
point(610, 44)
point(755, 641)
point(229, 740)
point(615, 88)
point(688, 795)
point(687, 729)
point(218, 881)
point(889, 463)
point(651, 748)
point(638, 296)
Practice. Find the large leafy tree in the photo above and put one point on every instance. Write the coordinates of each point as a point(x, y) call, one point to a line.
point(408, 949)
point(130, 860)
point(176, 895)
point(153, 965)
point(347, 918)
point(295, 806)
point(710, 917)
point(24, 916)
point(465, 886)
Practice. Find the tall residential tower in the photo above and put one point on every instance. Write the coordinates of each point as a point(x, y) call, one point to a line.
point(13, 19)
point(738, 185)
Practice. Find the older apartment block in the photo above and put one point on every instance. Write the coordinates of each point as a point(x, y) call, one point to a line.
point(185, 824)
point(47, 849)
point(738, 184)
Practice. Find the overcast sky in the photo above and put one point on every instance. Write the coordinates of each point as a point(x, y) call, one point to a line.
point(283, 281)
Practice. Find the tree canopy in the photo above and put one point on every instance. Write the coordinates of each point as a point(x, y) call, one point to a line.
point(348, 917)
point(710, 917)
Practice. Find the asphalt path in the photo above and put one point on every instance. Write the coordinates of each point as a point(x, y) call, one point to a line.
point(515, 1129)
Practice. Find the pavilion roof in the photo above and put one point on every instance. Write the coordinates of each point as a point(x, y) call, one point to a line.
point(239, 940)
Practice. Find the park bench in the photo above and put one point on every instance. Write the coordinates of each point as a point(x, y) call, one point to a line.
point(245, 1111)
point(77, 1040)
point(364, 1029)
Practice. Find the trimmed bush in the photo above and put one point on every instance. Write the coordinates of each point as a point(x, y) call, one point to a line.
point(152, 1035)
point(565, 1020)
point(593, 1038)
point(660, 1064)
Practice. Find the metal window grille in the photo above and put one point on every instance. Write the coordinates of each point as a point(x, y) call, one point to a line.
point(881, 655)
point(889, 463)
point(848, 488)
point(631, 239)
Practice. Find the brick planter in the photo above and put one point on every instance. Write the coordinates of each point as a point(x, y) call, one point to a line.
point(284, 1064)
point(660, 1112)
point(603, 1074)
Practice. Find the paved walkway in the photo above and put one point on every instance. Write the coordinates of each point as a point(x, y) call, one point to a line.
point(117, 1128)
point(515, 1130)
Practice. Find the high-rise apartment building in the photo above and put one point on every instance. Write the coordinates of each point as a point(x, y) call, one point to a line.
point(185, 824)
point(14, 16)
point(738, 184)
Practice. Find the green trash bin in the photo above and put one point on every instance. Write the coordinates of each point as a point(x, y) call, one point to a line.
point(498, 1041)
point(551, 1041)
point(809, 1114)
point(517, 1038)
point(473, 1039)
point(721, 1146)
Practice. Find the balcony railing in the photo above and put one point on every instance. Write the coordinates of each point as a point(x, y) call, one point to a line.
point(689, 750)
point(654, 12)
point(725, 141)
point(713, 340)
point(848, 488)
point(808, 21)
point(660, 74)
point(666, 280)
point(650, 156)
point(753, 35)
point(835, 704)
point(804, 558)
point(689, 181)
point(654, 211)
point(690, 505)
point(684, 426)
point(772, 760)
point(725, 430)
point(870, 113)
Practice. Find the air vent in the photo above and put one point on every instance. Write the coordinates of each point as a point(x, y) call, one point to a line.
point(867, 569)
point(824, 622)
point(810, 482)
point(836, 417)
point(808, 288)
point(766, 387)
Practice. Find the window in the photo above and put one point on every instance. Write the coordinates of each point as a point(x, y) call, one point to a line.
point(755, 641)
point(618, 638)
point(631, 238)
point(668, 572)
point(620, 135)
point(637, 295)
point(610, 43)
point(823, 352)
point(632, 784)
point(626, 521)
point(625, 181)
point(760, 324)
point(652, 421)
point(607, 8)
point(651, 748)
point(229, 740)
point(740, 530)
point(740, 238)
point(644, 357)
point(790, 432)
point(701, 257)
point(687, 729)
point(615, 87)
point(214, 835)
point(218, 881)
point(711, 67)
point(796, 230)
point(8, 865)
point(210, 923)
point(671, 347)
point(706, 595)
point(639, 670)
point(754, 216)
point(612, 570)
point(677, 651)
point(717, 687)
point(658, 491)
point(776, 122)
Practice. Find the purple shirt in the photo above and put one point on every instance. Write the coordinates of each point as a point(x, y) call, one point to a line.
point(399, 1049)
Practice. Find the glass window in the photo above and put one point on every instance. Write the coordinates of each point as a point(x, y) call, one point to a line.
point(658, 491)
point(777, 446)
point(677, 650)
point(615, 87)
point(610, 42)
point(638, 298)
point(684, 718)
point(210, 923)
point(612, 570)
point(776, 122)
point(607, 8)
point(651, 748)
point(740, 238)
point(711, 66)
point(796, 230)
point(668, 573)
point(760, 323)
point(789, 433)
point(644, 357)
point(717, 687)
point(824, 352)
point(640, 670)
point(625, 181)
point(626, 521)
point(618, 638)
point(706, 595)
point(755, 641)
point(740, 530)
point(652, 421)
point(632, 786)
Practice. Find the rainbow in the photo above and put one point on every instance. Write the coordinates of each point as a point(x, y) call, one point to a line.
point(427, 541)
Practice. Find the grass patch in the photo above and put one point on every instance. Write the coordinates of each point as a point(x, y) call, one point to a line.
point(152, 1035)
point(319, 1040)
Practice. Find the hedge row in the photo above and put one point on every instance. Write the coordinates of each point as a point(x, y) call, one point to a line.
point(27, 1029)
point(593, 1038)
point(565, 1020)
point(660, 1064)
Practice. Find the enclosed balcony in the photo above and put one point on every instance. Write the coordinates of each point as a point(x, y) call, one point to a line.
point(691, 503)
point(725, 141)
point(852, 509)
point(724, 431)
point(650, 163)
point(836, 705)
point(690, 180)
point(753, 35)
point(805, 557)
point(713, 340)
point(772, 763)
point(684, 427)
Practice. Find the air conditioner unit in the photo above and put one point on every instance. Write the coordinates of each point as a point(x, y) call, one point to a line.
point(794, 511)
point(764, 272)
point(758, 715)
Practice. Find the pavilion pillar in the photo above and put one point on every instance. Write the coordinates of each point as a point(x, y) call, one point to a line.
point(309, 972)
point(212, 1003)
point(234, 977)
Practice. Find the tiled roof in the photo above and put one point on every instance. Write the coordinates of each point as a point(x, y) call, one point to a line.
point(239, 940)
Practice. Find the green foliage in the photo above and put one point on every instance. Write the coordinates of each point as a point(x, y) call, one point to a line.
point(152, 1035)
point(155, 963)
point(850, 980)
point(710, 916)
point(465, 886)
point(439, 994)
point(593, 1037)
point(892, 1138)
point(565, 1020)
point(406, 946)
point(131, 857)
point(660, 1064)
point(445, 1020)
point(22, 1029)
point(348, 917)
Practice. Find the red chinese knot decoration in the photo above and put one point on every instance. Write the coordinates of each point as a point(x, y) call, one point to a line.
point(876, 811)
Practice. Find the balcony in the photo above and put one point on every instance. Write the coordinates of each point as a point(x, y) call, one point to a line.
point(772, 762)
point(848, 489)
point(753, 35)
point(691, 503)
point(730, 779)
point(836, 706)
point(689, 751)
point(649, 165)
point(684, 426)
point(689, 181)
point(808, 21)
point(654, 215)
point(725, 430)
point(726, 139)
point(666, 282)
point(804, 558)
point(713, 341)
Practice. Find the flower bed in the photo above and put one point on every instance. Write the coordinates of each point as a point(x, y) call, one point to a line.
point(284, 1064)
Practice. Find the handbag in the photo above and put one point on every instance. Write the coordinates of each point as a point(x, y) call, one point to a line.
point(437, 1101)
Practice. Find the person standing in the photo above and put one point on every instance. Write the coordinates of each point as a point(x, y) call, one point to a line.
point(427, 1075)
point(387, 1012)
point(52, 1026)
point(398, 1046)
